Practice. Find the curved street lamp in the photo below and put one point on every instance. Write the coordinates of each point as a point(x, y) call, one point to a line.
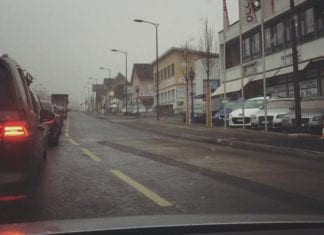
point(126, 97)
point(156, 25)
point(103, 68)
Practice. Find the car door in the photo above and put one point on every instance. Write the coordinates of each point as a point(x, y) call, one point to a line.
point(33, 119)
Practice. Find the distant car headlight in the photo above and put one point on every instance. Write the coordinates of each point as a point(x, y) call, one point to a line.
point(318, 118)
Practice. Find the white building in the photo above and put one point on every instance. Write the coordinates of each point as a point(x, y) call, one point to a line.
point(279, 76)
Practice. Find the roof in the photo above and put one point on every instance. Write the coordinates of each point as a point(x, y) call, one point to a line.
point(178, 49)
point(143, 72)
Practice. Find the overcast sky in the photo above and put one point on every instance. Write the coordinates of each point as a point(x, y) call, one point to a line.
point(64, 42)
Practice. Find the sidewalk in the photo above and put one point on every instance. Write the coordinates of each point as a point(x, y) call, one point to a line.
point(302, 145)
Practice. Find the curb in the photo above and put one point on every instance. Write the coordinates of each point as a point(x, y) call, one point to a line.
point(292, 152)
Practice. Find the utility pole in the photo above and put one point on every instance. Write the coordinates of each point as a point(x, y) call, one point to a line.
point(295, 66)
point(192, 77)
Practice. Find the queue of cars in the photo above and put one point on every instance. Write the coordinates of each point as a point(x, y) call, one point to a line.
point(280, 114)
point(25, 131)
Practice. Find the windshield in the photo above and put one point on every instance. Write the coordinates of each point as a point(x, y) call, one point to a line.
point(47, 106)
point(146, 108)
point(280, 104)
point(233, 105)
point(253, 104)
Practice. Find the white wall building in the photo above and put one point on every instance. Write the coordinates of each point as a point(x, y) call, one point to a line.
point(279, 78)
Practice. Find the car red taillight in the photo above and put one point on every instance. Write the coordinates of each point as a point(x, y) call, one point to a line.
point(13, 131)
point(12, 198)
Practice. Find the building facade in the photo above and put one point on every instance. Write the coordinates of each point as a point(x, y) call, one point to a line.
point(309, 19)
point(173, 65)
point(142, 90)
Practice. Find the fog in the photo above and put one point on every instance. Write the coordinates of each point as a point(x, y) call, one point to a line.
point(63, 43)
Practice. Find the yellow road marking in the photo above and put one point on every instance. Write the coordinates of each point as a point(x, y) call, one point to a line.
point(72, 141)
point(139, 187)
point(90, 154)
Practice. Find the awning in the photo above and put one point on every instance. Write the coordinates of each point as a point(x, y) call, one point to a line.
point(232, 86)
point(268, 75)
point(290, 69)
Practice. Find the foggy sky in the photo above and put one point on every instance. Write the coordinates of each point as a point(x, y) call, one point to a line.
point(64, 42)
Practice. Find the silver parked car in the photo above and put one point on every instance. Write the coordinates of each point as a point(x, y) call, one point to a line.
point(251, 106)
point(277, 108)
point(312, 115)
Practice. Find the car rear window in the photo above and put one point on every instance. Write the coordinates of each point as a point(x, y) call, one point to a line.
point(47, 106)
point(6, 94)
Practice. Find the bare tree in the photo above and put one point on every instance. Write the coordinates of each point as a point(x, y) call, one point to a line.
point(209, 46)
point(187, 59)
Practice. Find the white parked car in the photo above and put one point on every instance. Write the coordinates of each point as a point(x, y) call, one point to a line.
point(141, 109)
point(312, 114)
point(277, 108)
point(251, 106)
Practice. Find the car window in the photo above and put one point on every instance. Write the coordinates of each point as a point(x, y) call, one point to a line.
point(253, 104)
point(233, 105)
point(34, 104)
point(47, 106)
point(26, 89)
point(6, 94)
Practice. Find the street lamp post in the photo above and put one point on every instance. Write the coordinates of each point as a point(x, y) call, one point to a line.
point(157, 64)
point(126, 97)
point(88, 97)
point(109, 88)
point(137, 92)
point(192, 77)
point(103, 68)
point(94, 102)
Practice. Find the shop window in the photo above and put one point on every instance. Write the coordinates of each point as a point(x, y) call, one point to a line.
point(281, 33)
point(320, 19)
point(172, 70)
point(278, 36)
point(306, 24)
point(287, 32)
point(267, 38)
point(256, 45)
point(233, 53)
point(246, 49)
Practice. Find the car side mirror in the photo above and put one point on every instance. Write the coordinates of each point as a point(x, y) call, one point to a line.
point(46, 116)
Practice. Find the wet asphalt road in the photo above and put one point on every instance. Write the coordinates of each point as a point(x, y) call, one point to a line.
point(104, 169)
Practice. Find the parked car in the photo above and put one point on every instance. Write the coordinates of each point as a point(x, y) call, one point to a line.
point(199, 112)
point(251, 106)
point(277, 108)
point(21, 135)
point(59, 111)
point(62, 112)
point(221, 115)
point(312, 110)
point(54, 125)
point(141, 109)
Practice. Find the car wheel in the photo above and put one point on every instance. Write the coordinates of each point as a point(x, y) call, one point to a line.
point(30, 204)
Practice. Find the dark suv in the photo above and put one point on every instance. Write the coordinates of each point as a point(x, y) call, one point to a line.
point(21, 134)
